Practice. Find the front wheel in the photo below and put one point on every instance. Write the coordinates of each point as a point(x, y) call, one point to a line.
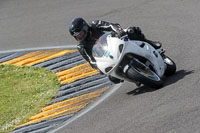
point(143, 74)
point(171, 66)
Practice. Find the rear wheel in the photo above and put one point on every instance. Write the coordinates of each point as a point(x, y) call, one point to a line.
point(143, 74)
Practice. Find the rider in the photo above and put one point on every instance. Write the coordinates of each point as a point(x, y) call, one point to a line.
point(87, 34)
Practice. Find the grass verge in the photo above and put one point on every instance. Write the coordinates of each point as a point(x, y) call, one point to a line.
point(23, 92)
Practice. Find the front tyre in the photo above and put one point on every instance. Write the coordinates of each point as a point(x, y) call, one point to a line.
point(171, 66)
point(140, 73)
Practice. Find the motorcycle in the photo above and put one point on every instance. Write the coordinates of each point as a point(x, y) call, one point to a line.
point(132, 60)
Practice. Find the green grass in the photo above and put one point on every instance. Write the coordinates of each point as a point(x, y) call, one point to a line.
point(23, 92)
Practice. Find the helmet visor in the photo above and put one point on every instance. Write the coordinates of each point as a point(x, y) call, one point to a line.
point(80, 36)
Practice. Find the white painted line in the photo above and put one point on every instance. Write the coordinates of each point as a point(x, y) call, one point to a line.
point(88, 108)
point(40, 48)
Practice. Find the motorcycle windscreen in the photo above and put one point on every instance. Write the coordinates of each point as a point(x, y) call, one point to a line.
point(101, 47)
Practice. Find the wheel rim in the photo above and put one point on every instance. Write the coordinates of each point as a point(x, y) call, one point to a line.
point(168, 61)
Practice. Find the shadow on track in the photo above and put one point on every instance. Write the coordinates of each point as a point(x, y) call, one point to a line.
point(167, 81)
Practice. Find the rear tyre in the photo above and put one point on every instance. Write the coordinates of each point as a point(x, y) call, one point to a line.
point(140, 73)
point(171, 66)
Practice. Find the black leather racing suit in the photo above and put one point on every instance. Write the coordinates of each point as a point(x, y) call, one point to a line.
point(96, 29)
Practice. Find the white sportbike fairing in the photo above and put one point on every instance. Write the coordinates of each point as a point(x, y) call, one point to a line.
point(130, 60)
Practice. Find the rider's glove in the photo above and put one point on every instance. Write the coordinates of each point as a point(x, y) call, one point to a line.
point(120, 32)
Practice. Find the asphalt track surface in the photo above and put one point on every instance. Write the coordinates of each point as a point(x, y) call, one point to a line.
point(175, 108)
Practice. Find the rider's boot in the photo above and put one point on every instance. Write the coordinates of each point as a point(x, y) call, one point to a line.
point(155, 44)
point(115, 80)
point(135, 33)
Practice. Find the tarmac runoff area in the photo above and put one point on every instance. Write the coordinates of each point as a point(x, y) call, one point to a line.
point(82, 87)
